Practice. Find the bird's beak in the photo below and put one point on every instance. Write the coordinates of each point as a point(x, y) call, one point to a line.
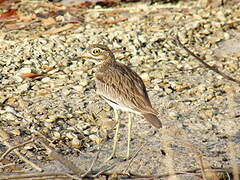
point(117, 50)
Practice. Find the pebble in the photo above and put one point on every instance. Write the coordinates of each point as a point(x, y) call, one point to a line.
point(56, 135)
point(50, 120)
point(71, 135)
point(16, 132)
point(83, 82)
point(10, 117)
point(46, 79)
point(65, 92)
point(23, 87)
point(95, 138)
point(76, 143)
point(145, 77)
point(10, 109)
point(25, 70)
point(78, 88)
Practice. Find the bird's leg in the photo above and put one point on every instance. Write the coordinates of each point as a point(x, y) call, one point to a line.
point(115, 139)
point(129, 133)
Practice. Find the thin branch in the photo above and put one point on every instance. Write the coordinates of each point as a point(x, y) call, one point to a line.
point(73, 177)
point(55, 175)
point(67, 163)
point(193, 172)
point(21, 156)
point(35, 176)
point(104, 170)
point(15, 147)
point(92, 164)
point(7, 165)
point(134, 156)
point(202, 167)
point(213, 68)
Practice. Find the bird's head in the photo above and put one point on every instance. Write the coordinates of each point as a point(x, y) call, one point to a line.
point(98, 53)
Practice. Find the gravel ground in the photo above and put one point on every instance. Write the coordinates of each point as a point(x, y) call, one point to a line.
point(199, 109)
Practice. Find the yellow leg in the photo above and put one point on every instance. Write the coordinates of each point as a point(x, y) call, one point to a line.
point(115, 140)
point(129, 134)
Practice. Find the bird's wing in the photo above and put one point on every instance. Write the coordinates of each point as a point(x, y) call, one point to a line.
point(123, 86)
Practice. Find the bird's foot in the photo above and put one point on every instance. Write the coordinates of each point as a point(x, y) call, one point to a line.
point(125, 158)
point(112, 156)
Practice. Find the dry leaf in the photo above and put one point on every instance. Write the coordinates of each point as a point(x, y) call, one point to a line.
point(49, 21)
point(8, 15)
point(60, 29)
point(104, 3)
point(51, 14)
point(107, 3)
point(6, 4)
point(11, 26)
point(112, 21)
point(31, 75)
point(28, 18)
point(48, 68)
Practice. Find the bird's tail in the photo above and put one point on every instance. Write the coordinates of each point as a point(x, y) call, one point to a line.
point(153, 120)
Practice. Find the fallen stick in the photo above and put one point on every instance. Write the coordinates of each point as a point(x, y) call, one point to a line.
point(13, 148)
point(67, 163)
point(213, 68)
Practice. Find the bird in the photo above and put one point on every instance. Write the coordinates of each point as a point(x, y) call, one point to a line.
point(122, 88)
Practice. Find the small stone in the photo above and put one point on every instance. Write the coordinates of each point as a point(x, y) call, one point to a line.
point(71, 135)
point(18, 78)
point(86, 132)
point(145, 77)
point(107, 123)
point(10, 109)
point(78, 88)
point(168, 90)
point(28, 147)
point(173, 114)
point(95, 138)
point(10, 117)
point(16, 132)
point(4, 135)
point(43, 92)
point(50, 120)
point(83, 83)
point(23, 87)
point(25, 70)
point(65, 92)
point(81, 125)
point(76, 143)
point(156, 88)
point(142, 38)
point(46, 79)
point(56, 135)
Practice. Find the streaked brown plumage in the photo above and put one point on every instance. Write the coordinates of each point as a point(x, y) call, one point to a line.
point(121, 87)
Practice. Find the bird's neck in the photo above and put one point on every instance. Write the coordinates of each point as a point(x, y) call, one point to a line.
point(110, 61)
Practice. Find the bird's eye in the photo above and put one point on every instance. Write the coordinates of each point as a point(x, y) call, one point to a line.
point(96, 51)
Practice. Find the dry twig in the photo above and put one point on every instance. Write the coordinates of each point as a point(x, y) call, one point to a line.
point(104, 170)
point(67, 163)
point(200, 158)
point(7, 165)
point(11, 148)
point(134, 156)
point(15, 147)
point(92, 164)
point(213, 68)
point(54, 175)
point(36, 176)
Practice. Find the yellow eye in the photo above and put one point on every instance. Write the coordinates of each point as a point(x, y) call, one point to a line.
point(96, 51)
